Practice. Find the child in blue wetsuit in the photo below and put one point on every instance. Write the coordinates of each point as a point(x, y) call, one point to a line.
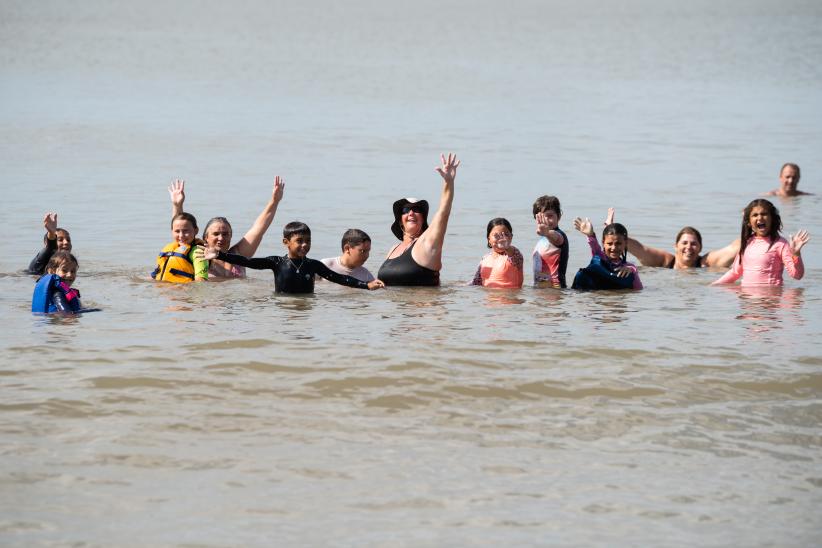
point(53, 291)
point(293, 272)
point(608, 268)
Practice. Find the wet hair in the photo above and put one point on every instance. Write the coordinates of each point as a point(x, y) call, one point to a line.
point(191, 219)
point(547, 203)
point(217, 220)
point(185, 217)
point(789, 164)
point(747, 231)
point(59, 258)
point(56, 230)
point(353, 237)
point(295, 228)
point(617, 229)
point(689, 230)
point(498, 221)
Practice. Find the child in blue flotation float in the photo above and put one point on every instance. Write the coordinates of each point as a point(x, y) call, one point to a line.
point(608, 268)
point(53, 291)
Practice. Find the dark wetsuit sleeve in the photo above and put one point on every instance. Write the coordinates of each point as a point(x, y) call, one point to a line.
point(256, 263)
point(320, 269)
point(39, 262)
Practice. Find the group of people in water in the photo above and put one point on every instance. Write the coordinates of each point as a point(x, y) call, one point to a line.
point(758, 257)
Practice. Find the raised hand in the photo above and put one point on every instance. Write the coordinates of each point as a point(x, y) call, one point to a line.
point(542, 226)
point(277, 192)
point(177, 192)
point(448, 167)
point(609, 219)
point(584, 226)
point(210, 253)
point(50, 224)
point(798, 240)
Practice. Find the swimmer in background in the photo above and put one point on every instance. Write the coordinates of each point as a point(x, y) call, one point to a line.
point(687, 246)
point(293, 272)
point(55, 239)
point(53, 291)
point(550, 256)
point(356, 247)
point(788, 181)
point(502, 267)
point(181, 261)
point(764, 253)
point(218, 231)
point(609, 268)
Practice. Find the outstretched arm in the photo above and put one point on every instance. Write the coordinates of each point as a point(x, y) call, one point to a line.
point(722, 257)
point(650, 256)
point(177, 192)
point(256, 263)
point(428, 251)
point(251, 241)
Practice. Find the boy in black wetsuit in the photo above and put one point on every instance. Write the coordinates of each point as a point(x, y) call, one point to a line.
point(293, 272)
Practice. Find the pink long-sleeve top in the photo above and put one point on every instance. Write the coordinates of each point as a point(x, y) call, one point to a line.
point(762, 263)
point(596, 249)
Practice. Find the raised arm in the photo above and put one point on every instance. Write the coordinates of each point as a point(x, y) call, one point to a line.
point(177, 192)
point(39, 262)
point(251, 241)
point(544, 230)
point(791, 257)
point(722, 257)
point(428, 251)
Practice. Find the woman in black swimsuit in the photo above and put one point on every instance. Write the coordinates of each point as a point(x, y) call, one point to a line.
point(417, 259)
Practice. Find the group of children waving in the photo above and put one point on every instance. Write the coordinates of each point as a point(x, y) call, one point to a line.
point(762, 254)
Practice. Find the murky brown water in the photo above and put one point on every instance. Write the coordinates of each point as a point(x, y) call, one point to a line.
point(222, 414)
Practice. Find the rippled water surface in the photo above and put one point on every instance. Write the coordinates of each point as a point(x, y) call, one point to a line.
point(222, 414)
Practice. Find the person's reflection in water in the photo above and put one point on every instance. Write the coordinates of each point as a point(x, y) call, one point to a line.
point(770, 308)
point(502, 298)
point(608, 307)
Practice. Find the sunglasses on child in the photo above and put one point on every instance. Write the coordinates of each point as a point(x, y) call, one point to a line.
point(414, 208)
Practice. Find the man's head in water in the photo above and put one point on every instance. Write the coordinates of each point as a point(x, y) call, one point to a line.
point(789, 180)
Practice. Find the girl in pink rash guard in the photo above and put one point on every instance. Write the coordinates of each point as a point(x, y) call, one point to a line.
point(763, 252)
point(502, 267)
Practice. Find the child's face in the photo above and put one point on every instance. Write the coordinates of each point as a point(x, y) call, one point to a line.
point(500, 239)
point(67, 270)
point(63, 241)
point(613, 245)
point(551, 218)
point(760, 221)
point(357, 255)
point(298, 245)
point(183, 231)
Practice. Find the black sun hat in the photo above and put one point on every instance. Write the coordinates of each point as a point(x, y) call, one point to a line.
point(396, 228)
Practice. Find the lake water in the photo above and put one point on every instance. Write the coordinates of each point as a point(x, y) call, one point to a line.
point(221, 414)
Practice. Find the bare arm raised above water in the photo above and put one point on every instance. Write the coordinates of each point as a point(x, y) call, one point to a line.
point(251, 241)
point(177, 193)
point(428, 250)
